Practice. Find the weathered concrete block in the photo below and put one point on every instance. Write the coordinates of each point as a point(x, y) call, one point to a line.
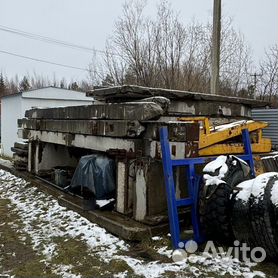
point(182, 102)
point(140, 111)
point(111, 128)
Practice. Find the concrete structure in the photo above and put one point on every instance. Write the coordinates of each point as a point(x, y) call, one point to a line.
point(14, 107)
point(126, 128)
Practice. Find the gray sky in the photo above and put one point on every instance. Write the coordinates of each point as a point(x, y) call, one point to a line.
point(90, 22)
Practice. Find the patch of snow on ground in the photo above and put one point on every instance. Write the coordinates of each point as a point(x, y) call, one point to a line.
point(165, 251)
point(260, 183)
point(51, 220)
point(155, 238)
point(6, 163)
point(245, 190)
point(274, 194)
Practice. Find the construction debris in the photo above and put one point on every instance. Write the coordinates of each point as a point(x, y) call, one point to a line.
point(20, 156)
point(126, 128)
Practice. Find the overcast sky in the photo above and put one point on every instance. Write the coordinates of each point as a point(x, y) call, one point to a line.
point(90, 22)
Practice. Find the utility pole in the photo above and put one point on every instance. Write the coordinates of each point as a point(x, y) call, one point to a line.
point(215, 52)
point(255, 75)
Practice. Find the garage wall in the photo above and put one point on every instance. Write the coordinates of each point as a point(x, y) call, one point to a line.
point(10, 112)
point(14, 107)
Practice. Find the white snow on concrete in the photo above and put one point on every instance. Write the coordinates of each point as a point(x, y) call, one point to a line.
point(274, 194)
point(52, 220)
point(245, 190)
point(260, 183)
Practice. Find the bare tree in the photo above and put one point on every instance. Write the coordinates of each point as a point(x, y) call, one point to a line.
point(269, 79)
point(162, 52)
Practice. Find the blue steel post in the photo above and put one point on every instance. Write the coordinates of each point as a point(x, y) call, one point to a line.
point(248, 150)
point(170, 187)
point(173, 203)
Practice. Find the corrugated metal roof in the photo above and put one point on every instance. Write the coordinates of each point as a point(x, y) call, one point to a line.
point(270, 116)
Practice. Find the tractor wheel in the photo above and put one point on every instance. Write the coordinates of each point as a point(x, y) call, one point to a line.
point(241, 221)
point(216, 204)
point(264, 222)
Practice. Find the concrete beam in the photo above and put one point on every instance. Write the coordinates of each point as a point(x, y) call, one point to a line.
point(110, 128)
point(96, 143)
point(140, 111)
point(132, 92)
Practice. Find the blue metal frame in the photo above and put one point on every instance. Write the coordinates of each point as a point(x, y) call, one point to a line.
point(193, 183)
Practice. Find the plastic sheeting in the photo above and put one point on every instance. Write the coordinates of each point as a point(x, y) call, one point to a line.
point(96, 174)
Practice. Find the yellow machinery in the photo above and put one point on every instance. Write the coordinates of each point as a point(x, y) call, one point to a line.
point(226, 139)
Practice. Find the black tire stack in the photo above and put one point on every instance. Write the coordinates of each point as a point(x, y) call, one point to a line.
point(239, 207)
point(20, 156)
point(255, 219)
point(215, 203)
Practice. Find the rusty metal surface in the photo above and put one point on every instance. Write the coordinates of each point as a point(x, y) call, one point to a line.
point(270, 163)
point(178, 131)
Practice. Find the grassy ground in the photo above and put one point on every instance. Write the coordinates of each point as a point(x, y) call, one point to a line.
point(23, 251)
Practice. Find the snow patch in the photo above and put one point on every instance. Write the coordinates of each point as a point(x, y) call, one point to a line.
point(260, 183)
point(212, 180)
point(231, 125)
point(274, 194)
point(219, 162)
point(155, 238)
point(245, 190)
point(102, 203)
point(56, 221)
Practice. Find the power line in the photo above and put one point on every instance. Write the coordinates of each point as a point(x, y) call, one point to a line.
point(48, 39)
point(42, 61)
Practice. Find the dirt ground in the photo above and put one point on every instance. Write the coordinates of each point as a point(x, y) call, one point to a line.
point(39, 238)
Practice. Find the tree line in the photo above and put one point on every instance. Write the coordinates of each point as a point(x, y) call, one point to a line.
point(15, 85)
point(163, 52)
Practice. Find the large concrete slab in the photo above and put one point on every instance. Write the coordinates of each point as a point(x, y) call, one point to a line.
point(178, 131)
point(139, 92)
point(108, 128)
point(182, 102)
point(97, 143)
point(140, 111)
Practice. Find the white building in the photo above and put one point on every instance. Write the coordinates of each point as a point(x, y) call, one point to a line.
point(13, 107)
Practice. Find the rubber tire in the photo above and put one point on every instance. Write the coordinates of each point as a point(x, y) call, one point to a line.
point(263, 220)
point(273, 211)
point(241, 221)
point(216, 212)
